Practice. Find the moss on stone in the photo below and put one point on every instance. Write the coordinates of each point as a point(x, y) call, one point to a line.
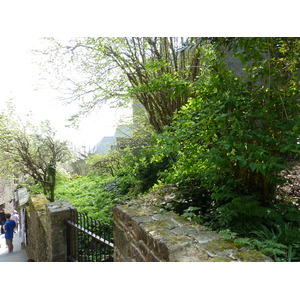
point(175, 239)
point(140, 213)
point(251, 256)
point(135, 211)
point(181, 219)
point(219, 245)
point(39, 203)
point(221, 259)
point(161, 231)
point(156, 225)
point(170, 214)
point(198, 227)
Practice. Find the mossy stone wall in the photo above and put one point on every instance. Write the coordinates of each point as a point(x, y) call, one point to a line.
point(145, 233)
point(57, 213)
point(46, 229)
point(37, 247)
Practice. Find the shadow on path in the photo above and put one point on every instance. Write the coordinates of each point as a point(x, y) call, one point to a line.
point(19, 254)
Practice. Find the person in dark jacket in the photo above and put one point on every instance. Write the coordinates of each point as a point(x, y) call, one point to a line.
point(2, 219)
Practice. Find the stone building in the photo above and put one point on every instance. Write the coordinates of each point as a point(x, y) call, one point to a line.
point(8, 197)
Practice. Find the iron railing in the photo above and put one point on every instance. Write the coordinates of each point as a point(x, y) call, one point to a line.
point(88, 239)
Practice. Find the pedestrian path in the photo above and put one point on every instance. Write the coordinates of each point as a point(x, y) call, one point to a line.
point(19, 254)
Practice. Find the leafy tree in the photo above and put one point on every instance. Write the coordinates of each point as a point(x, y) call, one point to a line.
point(105, 164)
point(29, 150)
point(159, 72)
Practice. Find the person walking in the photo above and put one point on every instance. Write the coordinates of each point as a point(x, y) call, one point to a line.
point(9, 227)
point(2, 219)
point(15, 217)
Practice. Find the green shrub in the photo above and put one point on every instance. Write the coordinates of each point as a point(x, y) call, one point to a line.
point(235, 135)
point(141, 172)
point(91, 194)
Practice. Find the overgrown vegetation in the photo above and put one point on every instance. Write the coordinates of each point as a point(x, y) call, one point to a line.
point(92, 194)
point(225, 124)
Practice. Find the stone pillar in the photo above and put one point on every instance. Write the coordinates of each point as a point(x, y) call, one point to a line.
point(37, 236)
point(57, 213)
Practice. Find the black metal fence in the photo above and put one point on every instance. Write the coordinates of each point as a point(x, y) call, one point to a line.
point(88, 239)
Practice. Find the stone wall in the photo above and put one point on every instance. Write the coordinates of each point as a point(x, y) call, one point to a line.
point(143, 232)
point(57, 213)
point(46, 229)
point(37, 242)
point(150, 234)
point(7, 195)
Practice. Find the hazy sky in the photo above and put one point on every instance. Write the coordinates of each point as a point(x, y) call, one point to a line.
point(19, 77)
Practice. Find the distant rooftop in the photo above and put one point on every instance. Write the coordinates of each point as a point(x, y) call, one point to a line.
point(104, 145)
point(108, 142)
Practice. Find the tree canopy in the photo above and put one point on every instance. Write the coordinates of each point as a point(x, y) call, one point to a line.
point(28, 150)
point(158, 72)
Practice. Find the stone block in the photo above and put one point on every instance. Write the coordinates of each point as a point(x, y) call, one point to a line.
point(136, 253)
point(120, 239)
point(163, 251)
point(143, 248)
point(152, 257)
point(188, 253)
point(152, 243)
point(141, 233)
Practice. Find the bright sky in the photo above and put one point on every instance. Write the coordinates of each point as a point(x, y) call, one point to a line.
point(23, 22)
point(19, 77)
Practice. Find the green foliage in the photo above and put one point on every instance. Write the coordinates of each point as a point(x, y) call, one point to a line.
point(220, 135)
point(34, 189)
point(271, 242)
point(91, 194)
point(282, 243)
point(105, 164)
point(30, 150)
point(268, 247)
point(139, 172)
point(287, 234)
point(192, 213)
point(235, 135)
point(230, 142)
point(227, 234)
point(78, 166)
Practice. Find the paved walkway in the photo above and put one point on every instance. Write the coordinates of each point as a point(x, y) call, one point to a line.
point(19, 254)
